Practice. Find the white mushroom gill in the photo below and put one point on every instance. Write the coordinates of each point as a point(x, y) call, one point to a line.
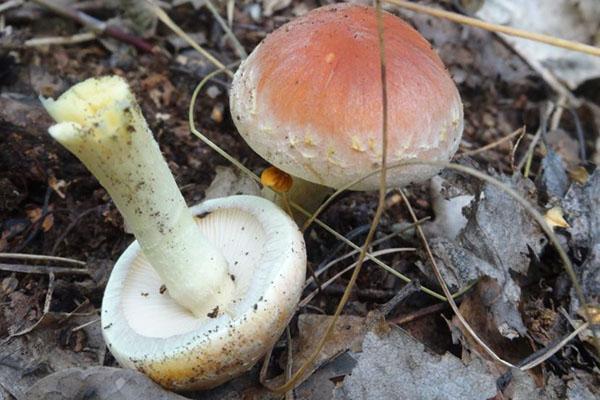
point(100, 122)
point(150, 310)
point(145, 329)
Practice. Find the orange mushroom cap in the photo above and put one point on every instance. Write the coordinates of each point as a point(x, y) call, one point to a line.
point(308, 99)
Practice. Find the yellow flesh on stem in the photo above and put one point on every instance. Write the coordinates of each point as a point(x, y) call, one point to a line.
point(100, 122)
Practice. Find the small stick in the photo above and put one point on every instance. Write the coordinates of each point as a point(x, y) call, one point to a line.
point(42, 269)
point(491, 145)
point(79, 327)
point(97, 26)
point(403, 319)
point(488, 26)
point(22, 256)
point(162, 15)
point(402, 294)
point(58, 40)
point(239, 49)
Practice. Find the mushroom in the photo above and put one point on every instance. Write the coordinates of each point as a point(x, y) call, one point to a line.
point(203, 292)
point(308, 99)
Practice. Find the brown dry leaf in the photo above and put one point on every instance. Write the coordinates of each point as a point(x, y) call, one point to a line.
point(475, 309)
point(554, 218)
point(34, 214)
point(579, 175)
point(348, 334)
point(101, 383)
point(57, 185)
point(159, 89)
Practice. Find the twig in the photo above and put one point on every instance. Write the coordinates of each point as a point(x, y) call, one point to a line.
point(528, 156)
point(60, 40)
point(96, 25)
point(403, 319)
point(402, 294)
point(162, 15)
point(79, 327)
point(491, 145)
point(42, 269)
point(547, 352)
point(241, 52)
point(477, 23)
point(325, 284)
point(22, 256)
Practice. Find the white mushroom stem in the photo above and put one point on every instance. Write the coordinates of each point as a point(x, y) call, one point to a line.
point(101, 123)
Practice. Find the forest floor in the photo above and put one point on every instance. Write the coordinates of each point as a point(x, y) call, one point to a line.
point(521, 300)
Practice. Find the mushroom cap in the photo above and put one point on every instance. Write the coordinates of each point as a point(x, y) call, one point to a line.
point(308, 99)
point(147, 330)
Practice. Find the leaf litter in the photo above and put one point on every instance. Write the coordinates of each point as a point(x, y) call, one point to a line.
point(479, 235)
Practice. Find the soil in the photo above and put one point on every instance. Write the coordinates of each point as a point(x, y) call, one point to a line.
point(51, 205)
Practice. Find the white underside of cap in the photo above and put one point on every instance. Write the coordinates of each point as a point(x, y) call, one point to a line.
point(147, 330)
point(149, 309)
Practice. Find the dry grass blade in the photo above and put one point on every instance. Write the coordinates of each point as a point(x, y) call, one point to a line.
point(299, 374)
point(241, 52)
point(351, 253)
point(42, 269)
point(461, 19)
point(22, 256)
point(312, 294)
point(61, 40)
point(446, 291)
point(495, 143)
point(162, 15)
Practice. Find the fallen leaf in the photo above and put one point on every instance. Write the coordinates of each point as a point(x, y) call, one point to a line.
point(57, 185)
point(579, 175)
point(396, 366)
point(100, 383)
point(553, 182)
point(554, 218)
point(574, 20)
point(347, 334)
point(581, 205)
point(475, 306)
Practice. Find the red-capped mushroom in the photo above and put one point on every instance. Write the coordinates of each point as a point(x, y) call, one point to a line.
point(308, 99)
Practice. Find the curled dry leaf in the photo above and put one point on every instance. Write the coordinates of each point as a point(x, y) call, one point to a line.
point(581, 205)
point(496, 242)
point(396, 366)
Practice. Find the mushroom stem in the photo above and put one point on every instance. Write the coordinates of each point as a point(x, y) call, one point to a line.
point(101, 123)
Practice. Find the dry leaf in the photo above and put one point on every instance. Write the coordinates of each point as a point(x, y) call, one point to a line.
point(554, 218)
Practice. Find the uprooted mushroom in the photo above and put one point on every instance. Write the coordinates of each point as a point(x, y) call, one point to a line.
point(204, 291)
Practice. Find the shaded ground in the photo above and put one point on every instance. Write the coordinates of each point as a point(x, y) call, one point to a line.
point(51, 205)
